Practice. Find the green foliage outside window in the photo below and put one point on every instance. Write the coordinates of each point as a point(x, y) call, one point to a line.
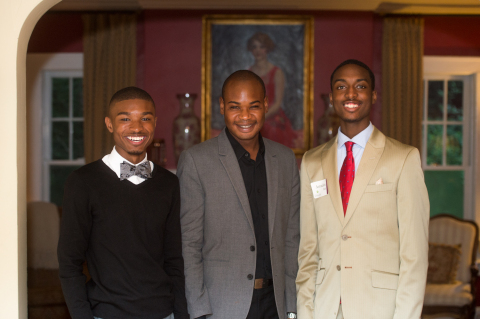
point(444, 148)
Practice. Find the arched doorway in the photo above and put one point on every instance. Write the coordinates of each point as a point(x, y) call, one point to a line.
point(17, 20)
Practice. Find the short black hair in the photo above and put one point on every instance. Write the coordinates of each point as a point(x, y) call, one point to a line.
point(130, 93)
point(356, 62)
point(243, 75)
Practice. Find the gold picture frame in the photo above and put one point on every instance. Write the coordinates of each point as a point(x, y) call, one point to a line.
point(224, 50)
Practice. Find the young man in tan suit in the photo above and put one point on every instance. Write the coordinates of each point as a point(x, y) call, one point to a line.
point(363, 217)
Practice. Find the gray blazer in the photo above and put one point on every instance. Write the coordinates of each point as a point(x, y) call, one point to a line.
point(217, 229)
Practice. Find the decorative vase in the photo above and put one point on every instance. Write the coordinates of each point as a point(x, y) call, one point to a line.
point(327, 125)
point(157, 152)
point(186, 126)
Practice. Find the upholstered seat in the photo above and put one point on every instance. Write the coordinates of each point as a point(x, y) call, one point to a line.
point(457, 294)
point(43, 230)
point(456, 299)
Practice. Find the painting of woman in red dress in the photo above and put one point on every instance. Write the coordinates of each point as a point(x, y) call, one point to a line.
point(279, 51)
point(277, 126)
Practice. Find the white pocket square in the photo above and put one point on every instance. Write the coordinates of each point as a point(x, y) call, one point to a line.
point(379, 182)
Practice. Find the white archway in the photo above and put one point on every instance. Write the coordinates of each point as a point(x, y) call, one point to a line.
point(17, 20)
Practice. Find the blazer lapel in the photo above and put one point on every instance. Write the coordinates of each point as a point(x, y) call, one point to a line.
point(271, 165)
point(329, 163)
point(371, 156)
point(230, 162)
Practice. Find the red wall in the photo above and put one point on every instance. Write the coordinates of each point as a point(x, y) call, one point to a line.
point(57, 32)
point(452, 35)
point(171, 61)
point(172, 64)
point(170, 42)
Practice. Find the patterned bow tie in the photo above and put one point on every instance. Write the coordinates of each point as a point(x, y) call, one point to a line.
point(142, 170)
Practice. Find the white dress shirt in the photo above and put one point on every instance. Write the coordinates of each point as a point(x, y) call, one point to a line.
point(113, 160)
point(358, 148)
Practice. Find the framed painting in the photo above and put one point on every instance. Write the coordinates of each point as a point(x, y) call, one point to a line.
point(279, 49)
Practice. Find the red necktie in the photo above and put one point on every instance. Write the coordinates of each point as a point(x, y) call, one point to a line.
point(347, 175)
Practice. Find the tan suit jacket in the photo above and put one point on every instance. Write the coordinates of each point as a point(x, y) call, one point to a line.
point(376, 257)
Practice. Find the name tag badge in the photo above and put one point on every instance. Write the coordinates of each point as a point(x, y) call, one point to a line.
point(319, 188)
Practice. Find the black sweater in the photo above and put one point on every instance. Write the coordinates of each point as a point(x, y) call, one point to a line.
point(130, 236)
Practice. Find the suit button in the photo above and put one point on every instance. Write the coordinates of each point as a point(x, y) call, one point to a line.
point(250, 277)
point(338, 267)
point(252, 248)
point(344, 237)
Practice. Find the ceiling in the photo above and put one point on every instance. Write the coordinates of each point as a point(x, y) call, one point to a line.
point(450, 7)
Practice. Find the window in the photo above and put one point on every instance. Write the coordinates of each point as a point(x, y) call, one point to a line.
point(63, 130)
point(447, 148)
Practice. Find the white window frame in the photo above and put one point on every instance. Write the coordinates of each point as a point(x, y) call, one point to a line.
point(47, 126)
point(467, 135)
point(37, 64)
point(442, 67)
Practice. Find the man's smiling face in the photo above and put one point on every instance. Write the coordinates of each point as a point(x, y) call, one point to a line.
point(132, 123)
point(352, 94)
point(244, 106)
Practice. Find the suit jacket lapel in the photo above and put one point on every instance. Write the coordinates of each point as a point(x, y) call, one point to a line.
point(329, 163)
point(371, 156)
point(271, 165)
point(230, 162)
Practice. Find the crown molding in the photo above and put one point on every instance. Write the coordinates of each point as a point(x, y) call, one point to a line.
point(97, 5)
point(261, 4)
point(440, 7)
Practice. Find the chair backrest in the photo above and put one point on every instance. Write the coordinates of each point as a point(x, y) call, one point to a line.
point(43, 231)
point(446, 229)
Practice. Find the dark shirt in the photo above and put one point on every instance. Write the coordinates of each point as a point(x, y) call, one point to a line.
point(130, 236)
point(255, 178)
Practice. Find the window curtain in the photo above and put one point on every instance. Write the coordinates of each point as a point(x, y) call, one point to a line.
point(109, 43)
point(402, 74)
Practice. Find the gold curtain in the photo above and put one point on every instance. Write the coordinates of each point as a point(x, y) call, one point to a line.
point(402, 74)
point(109, 44)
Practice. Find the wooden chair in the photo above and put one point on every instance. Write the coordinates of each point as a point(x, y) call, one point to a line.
point(455, 300)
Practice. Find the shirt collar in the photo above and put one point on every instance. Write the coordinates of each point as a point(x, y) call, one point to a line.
point(360, 139)
point(238, 148)
point(115, 159)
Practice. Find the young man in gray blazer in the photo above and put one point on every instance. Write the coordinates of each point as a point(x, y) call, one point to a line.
point(240, 202)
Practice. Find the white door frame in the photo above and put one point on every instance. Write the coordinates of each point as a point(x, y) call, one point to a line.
point(17, 21)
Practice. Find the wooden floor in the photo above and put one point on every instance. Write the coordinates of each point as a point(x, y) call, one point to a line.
point(45, 296)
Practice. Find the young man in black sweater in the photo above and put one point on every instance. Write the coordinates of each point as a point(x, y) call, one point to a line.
point(121, 215)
